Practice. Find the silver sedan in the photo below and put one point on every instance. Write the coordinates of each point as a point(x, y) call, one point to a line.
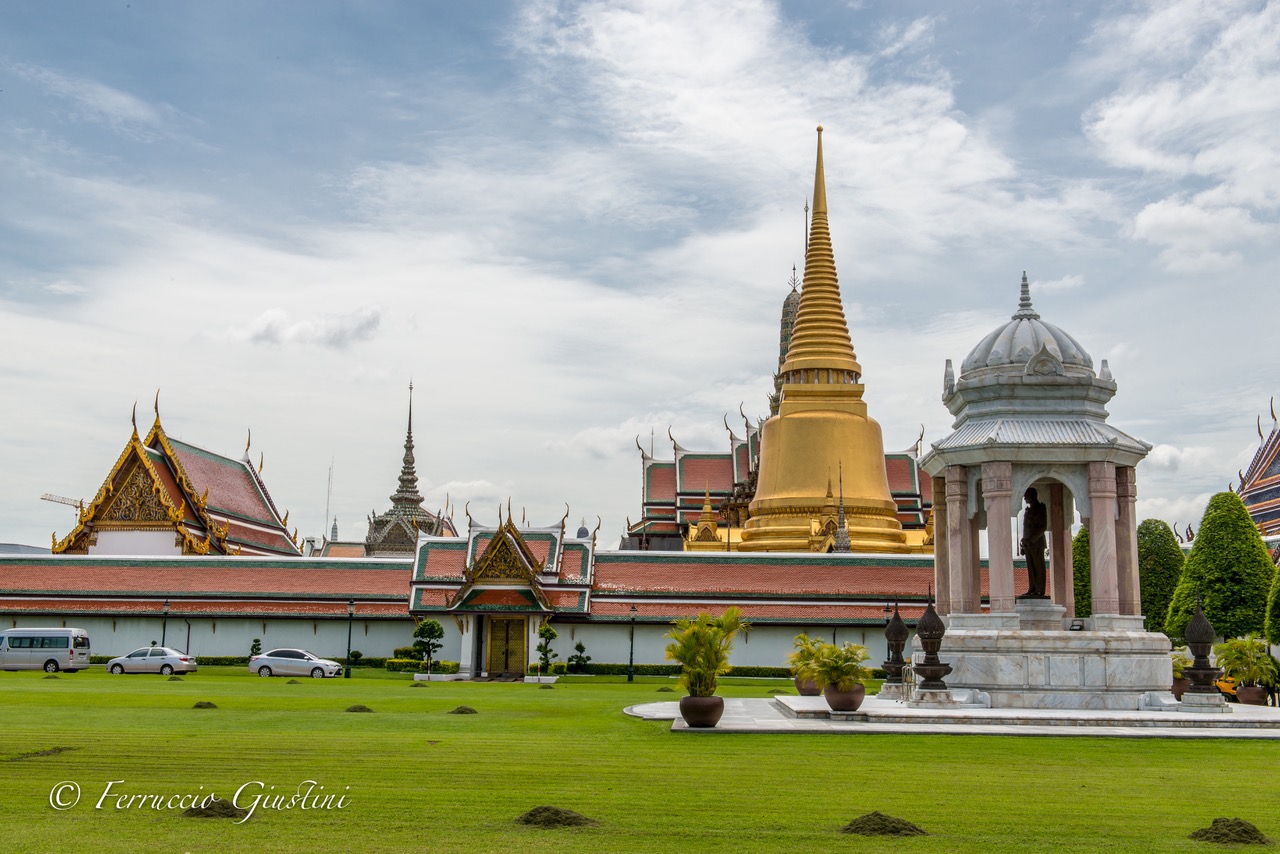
point(153, 659)
point(293, 662)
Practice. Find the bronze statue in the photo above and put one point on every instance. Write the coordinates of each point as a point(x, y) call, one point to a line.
point(1034, 523)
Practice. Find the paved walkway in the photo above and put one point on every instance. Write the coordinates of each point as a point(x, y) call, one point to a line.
point(889, 716)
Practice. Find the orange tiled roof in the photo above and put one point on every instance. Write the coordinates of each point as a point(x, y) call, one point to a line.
point(206, 607)
point(204, 575)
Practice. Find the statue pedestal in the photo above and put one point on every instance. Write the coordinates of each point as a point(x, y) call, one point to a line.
point(898, 692)
point(1024, 669)
point(1039, 615)
point(1204, 704)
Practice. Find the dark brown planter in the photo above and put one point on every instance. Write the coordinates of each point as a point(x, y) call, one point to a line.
point(701, 711)
point(1253, 695)
point(807, 688)
point(1179, 687)
point(845, 701)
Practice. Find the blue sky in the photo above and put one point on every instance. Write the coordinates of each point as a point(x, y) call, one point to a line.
point(572, 223)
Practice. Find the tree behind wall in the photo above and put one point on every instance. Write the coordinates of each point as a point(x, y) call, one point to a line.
point(1272, 628)
point(1080, 573)
point(1229, 567)
point(1160, 561)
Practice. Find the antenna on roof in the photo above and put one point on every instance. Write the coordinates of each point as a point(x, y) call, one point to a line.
point(328, 496)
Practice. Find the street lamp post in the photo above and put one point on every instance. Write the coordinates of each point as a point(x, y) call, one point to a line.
point(631, 656)
point(164, 624)
point(351, 615)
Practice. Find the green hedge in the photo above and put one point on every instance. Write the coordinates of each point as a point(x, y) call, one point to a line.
point(558, 668)
point(641, 669)
point(413, 665)
point(223, 660)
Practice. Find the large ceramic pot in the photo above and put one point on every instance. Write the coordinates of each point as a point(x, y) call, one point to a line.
point(845, 701)
point(1180, 687)
point(807, 688)
point(701, 711)
point(1252, 695)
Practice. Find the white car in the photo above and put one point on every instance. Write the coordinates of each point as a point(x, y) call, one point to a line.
point(293, 662)
point(153, 659)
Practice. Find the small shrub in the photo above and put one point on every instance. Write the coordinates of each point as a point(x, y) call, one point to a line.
point(428, 635)
point(255, 648)
point(405, 652)
point(545, 652)
point(578, 661)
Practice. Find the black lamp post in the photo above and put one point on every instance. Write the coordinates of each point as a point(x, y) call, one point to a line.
point(631, 656)
point(164, 621)
point(351, 615)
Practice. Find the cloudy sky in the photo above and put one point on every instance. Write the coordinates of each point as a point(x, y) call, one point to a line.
point(572, 223)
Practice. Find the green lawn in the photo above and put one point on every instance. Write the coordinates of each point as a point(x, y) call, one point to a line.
point(416, 778)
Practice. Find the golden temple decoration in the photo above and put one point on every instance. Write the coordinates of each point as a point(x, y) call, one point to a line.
point(822, 421)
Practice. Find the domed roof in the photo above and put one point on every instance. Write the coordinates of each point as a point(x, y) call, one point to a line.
point(1016, 343)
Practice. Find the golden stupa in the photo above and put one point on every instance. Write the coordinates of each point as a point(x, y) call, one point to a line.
point(822, 430)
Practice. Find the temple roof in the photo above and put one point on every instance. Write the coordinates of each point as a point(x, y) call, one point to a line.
point(215, 504)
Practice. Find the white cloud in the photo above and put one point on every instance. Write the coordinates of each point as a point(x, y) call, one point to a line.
point(1068, 282)
point(275, 326)
point(93, 101)
point(1198, 104)
point(1194, 237)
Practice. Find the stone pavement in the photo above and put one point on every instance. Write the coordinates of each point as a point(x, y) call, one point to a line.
point(806, 714)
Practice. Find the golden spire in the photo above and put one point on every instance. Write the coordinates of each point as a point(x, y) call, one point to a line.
point(820, 340)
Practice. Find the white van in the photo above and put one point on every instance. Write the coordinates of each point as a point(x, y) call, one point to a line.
point(50, 650)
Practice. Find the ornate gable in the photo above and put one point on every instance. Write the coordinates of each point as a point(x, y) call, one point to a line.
point(133, 498)
point(507, 562)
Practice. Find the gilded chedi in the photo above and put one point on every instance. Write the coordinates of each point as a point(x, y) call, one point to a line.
point(822, 428)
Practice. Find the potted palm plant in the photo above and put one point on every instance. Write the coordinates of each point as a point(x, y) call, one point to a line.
point(838, 672)
point(1181, 659)
point(701, 647)
point(801, 660)
point(1246, 660)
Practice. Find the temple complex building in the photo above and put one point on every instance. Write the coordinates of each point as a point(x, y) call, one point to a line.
point(1260, 483)
point(773, 491)
point(164, 496)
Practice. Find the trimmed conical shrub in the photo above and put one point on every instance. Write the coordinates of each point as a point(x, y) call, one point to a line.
point(1272, 627)
point(1229, 567)
point(1160, 561)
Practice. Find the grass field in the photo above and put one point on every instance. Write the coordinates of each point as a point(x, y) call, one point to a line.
point(416, 778)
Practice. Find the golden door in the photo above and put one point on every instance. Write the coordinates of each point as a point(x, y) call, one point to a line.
point(506, 646)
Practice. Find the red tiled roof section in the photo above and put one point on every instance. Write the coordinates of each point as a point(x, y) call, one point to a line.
point(429, 597)
point(899, 470)
point(661, 485)
point(220, 577)
point(563, 599)
point(231, 488)
point(802, 613)
point(700, 473)
point(344, 550)
point(445, 563)
point(187, 607)
point(571, 564)
point(732, 577)
point(512, 598)
point(539, 547)
point(274, 541)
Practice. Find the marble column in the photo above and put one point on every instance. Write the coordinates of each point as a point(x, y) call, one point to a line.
point(466, 645)
point(1102, 538)
point(1061, 572)
point(960, 585)
point(1127, 541)
point(941, 566)
point(997, 487)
